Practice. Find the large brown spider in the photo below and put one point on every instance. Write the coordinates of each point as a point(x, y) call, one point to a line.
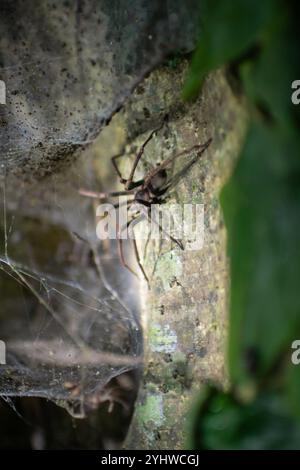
point(152, 189)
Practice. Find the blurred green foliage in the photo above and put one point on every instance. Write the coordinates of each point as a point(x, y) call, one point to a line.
point(258, 42)
point(264, 423)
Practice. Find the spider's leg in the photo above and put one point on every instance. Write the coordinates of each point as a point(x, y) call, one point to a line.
point(122, 257)
point(129, 182)
point(113, 160)
point(137, 255)
point(118, 205)
point(134, 222)
point(123, 180)
point(168, 161)
point(168, 235)
point(177, 177)
point(123, 203)
point(146, 244)
point(104, 195)
point(120, 246)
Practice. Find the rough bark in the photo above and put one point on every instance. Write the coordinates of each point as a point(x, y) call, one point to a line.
point(185, 313)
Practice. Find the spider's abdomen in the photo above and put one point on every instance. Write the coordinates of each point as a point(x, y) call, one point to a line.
point(158, 181)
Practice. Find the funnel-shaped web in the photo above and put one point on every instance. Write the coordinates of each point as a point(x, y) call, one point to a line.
point(69, 314)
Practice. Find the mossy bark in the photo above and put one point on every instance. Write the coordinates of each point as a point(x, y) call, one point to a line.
point(184, 313)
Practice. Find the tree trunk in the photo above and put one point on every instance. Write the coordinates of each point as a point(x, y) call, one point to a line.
point(184, 313)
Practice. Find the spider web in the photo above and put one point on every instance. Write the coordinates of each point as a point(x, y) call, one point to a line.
point(64, 318)
point(69, 311)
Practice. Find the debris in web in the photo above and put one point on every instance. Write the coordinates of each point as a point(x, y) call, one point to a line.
point(67, 328)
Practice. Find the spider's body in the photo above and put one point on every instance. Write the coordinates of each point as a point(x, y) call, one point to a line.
point(143, 196)
point(152, 189)
point(157, 182)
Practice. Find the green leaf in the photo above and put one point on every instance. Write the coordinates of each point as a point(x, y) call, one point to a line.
point(267, 80)
point(229, 28)
point(224, 423)
point(292, 387)
point(261, 205)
